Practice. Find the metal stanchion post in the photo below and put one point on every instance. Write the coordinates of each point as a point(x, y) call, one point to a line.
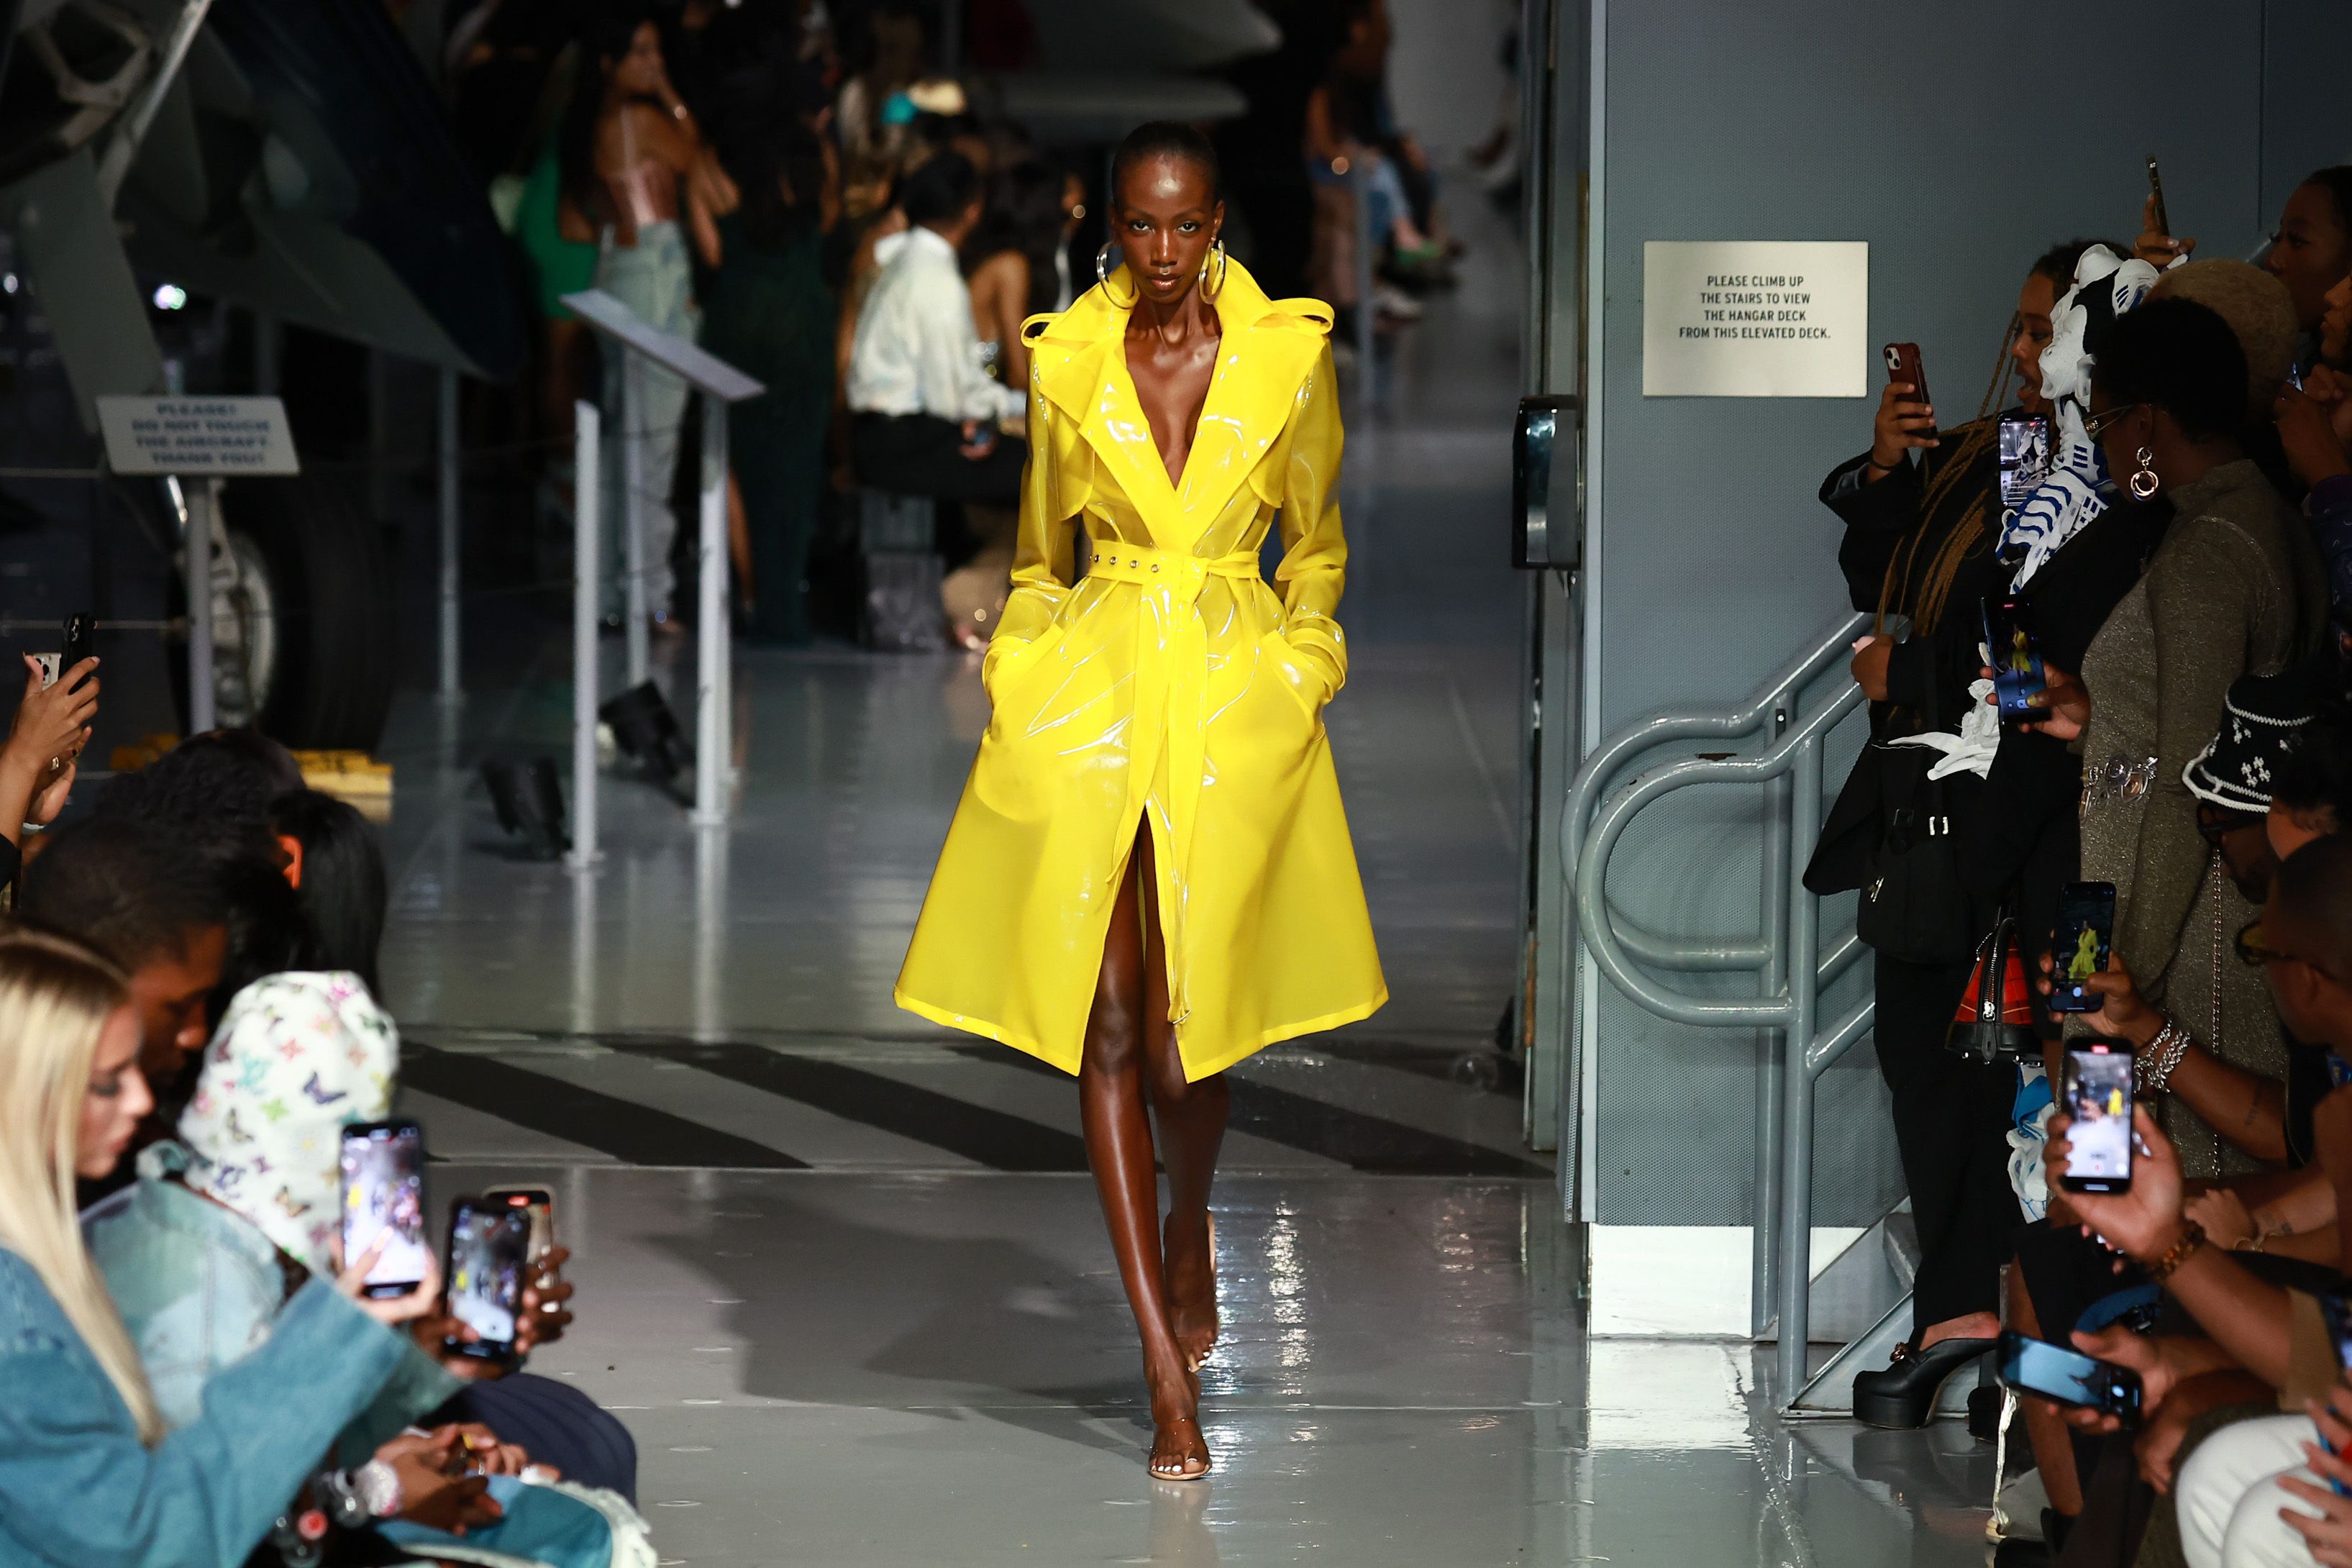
point(1359, 185)
point(713, 749)
point(586, 492)
point(449, 690)
point(630, 421)
point(200, 503)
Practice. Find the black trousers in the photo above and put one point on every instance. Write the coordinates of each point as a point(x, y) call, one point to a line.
point(920, 455)
point(1950, 1118)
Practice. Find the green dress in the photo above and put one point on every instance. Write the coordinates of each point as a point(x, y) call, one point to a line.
point(768, 312)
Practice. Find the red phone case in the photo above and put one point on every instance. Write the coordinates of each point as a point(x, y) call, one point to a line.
point(1902, 364)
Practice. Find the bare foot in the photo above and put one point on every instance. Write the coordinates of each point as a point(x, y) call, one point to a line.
point(1179, 1450)
point(1189, 1266)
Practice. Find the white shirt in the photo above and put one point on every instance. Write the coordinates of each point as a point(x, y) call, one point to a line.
point(917, 350)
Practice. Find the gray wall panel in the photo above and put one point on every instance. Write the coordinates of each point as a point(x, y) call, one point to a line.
point(1921, 131)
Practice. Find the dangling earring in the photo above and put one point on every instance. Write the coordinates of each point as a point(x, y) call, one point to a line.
point(2144, 481)
point(1102, 276)
point(1211, 290)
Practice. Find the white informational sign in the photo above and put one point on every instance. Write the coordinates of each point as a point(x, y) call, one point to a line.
point(197, 437)
point(1756, 318)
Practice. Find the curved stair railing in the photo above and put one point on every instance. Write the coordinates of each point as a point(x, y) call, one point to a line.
point(1792, 964)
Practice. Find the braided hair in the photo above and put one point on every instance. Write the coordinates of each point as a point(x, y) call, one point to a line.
point(2057, 264)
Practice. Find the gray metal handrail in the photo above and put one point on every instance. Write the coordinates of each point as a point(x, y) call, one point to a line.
point(1793, 967)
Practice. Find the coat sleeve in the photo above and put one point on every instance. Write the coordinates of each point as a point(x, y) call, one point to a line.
point(78, 1488)
point(2203, 600)
point(1045, 554)
point(1879, 519)
point(1314, 570)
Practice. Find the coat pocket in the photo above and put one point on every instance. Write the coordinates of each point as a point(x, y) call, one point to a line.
point(1300, 677)
point(1000, 665)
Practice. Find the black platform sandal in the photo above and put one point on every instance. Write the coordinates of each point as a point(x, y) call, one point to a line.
point(1904, 1394)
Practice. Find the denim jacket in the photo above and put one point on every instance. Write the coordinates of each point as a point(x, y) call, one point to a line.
point(198, 1287)
point(78, 1488)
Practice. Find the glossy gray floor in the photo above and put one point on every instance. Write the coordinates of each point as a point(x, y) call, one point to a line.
point(843, 1275)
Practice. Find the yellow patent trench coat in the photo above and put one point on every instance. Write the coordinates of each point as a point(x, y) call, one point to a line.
point(1168, 687)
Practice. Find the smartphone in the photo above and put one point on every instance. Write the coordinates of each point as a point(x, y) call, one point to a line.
point(1902, 364)
point(536, 1202)
point(489, 1247)
point(2155, 189)
point(81, 640)
point(2098, 1100)
point(2068, 1376)
point(382, 1167)
point(2080, 944)
point(2017, 677)
point(2024, 457)
point(2337, 1312)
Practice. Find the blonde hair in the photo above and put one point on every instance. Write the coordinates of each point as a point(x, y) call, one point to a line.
point(2259, 311)
point(55, 999)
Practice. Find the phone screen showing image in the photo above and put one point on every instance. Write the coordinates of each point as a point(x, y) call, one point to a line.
point(2017, 677)
point(2067, 1375)
point(2080, 944)
point(2024, 457)
point(384, 1195)
point(2099, 1103)
point(489, 1245)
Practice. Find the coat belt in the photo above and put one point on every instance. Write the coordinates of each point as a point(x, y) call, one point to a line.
point(1171, 679)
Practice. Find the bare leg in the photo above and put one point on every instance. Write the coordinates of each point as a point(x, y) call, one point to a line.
point(1192, 1129)
point(1112, 1107)
point(2046, 1432)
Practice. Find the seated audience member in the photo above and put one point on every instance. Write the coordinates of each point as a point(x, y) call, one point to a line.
point(337, 926)
point(924, 414)
point(90, 1471)
point(201, 1252)
point(141, 898)
point(2302, 941)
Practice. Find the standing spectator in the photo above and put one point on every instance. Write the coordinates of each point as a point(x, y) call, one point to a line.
point(2234, 589)
point(924, 413)
point(1011, 258)
point(771, 315)
point(1919, 548)
point(634, 162)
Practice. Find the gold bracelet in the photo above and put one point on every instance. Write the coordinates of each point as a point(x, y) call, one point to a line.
point(2192, 1236)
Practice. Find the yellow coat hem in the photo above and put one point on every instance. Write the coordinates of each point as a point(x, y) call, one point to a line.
point(966, 1024)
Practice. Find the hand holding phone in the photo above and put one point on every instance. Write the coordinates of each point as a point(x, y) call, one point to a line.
point(383, 1165)
point(2068, 1376)
point(1906, 418)
point(2157, 247)
point(2081, 944)
point(488, 1247)
point(2098, 1094)
point(2020, 687)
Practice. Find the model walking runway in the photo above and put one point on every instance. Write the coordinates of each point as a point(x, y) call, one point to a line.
point(1149, 875)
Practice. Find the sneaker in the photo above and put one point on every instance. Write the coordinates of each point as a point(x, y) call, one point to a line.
point(1391, 301)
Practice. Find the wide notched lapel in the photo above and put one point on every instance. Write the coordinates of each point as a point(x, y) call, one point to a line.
point(1263, 360)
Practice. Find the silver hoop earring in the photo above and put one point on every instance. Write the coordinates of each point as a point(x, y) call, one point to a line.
point(1211, 290)
point(1102, 276)
point(2144, 481)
